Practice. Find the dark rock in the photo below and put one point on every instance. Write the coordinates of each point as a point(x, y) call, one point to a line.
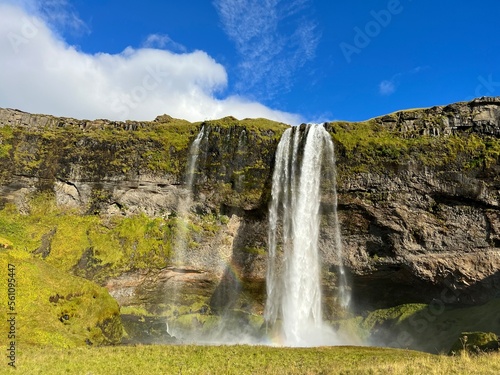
point(45, 246)
point(146, 330)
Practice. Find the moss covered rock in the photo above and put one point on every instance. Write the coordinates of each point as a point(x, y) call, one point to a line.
point(57, 309)
point(432, 328)
point(475, 343)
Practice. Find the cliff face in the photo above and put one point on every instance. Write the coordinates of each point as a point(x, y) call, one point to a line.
point(127, 168)
point(421, 221)
point(103, 200)
point(418, 205)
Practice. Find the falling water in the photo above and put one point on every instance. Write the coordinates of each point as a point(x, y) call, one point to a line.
point(183, 206)
point(194, 152)
point(344, 295)
point(185, 201)
point(293, 278)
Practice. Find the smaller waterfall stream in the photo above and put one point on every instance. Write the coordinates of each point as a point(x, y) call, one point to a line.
point(185, 202)
point(194, 153)
point(344, 295)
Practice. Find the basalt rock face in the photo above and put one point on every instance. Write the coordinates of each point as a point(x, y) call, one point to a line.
point(419, 229)
point(416, 239)
point(418, 202)
point(481, 115)
point(129, 167)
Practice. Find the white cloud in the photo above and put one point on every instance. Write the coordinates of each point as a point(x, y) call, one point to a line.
point(163, 41)
point(61, 14)
point(387, 87)
point(270, 54)
point(58, 14)
point(41, 73)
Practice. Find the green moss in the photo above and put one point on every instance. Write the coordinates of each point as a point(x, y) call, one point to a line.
point(195, 322)
point(352, 329)
point(135, 310)
point(98, 248)
point(394, 315)
point(5, 244)
point(249, 196)
point(224, 219)
point(6, 135)
point(57, 309)
point(370, 146)
point(255, 250)
point(152, 147)
point(209, 223)
point(264, 127)
point(160, 147)
point(270, 130)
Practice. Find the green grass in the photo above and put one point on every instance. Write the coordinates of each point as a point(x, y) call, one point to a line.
point(44, 294)
point(244, 360)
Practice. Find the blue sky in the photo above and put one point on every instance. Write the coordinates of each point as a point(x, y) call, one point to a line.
point(294, 61)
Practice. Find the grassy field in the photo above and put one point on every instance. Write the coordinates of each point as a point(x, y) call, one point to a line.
point(184, 359)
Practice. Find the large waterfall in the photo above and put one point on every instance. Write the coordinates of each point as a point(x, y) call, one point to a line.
point(294, 273)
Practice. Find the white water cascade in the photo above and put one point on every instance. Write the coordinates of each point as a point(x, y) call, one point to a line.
point(185, 202)
point(194, 153)
point(293, 305)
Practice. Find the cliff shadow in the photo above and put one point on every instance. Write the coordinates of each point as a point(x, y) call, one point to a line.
point(476, 293)
point(395, 284)
point(242, 285)
point(434, 327)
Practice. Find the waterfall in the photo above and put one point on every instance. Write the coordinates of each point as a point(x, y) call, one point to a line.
point(294, 274)
point(194, 153)
point(344, 295)
point(183, 206)
point(184, 203)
